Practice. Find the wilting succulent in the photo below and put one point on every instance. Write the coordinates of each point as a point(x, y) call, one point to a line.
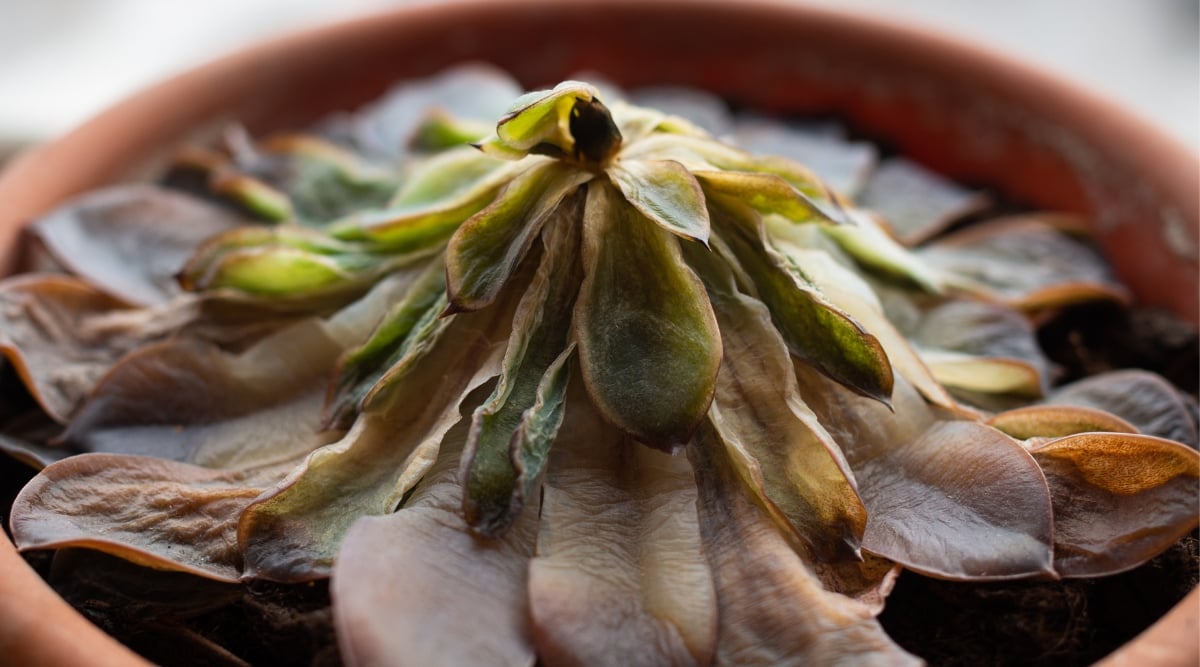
point(595, 388)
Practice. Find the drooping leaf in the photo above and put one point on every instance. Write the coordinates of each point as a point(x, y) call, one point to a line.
point(619, 576)
point(485, 251)
point(61, 335)
point(665, 192)
point(293, 531)
point(765, 193)
point(131, 241)
point(813, 328)
point(876, 252)
point(157, 513)
point(771, 608)
point(773, 440)
point(840, 162)
point(439, 194)
point(189, 401)
point(917, 203)
point(1025, 262)
point(649, 348)
point(406, 323)
point(1057, 421)
point(952, 499)
point(417, 587)
point(512, 432)
point(1119, 499)
point(1140, 397)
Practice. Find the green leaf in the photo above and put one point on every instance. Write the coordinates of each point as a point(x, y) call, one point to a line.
point(568, 121)
point(665, 192)
point(765, 193)
point(815, 330)
point(440, 131)
point(649, 347)
point(512, 432)
point(782, 452)
point(409, 321)
point(878, 253)
point(437, 197)
point(485, 251)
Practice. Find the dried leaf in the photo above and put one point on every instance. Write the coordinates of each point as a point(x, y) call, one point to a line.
point(619, 576)
point(841, 163)
point(1119, 499)
point(1057, 421)
point(772, 609)
point(649, 348)
point(131, 241)
point(1142, 398)
point(417, 587)
point(916, 202)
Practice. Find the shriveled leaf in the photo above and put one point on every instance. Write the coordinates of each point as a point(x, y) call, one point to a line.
point(1057, 421)
point(130, 241)
point(189, 401)
point(161, 514)
point(417, 587)
point(1142, 398)
point(772, 609)
point(952, 499)
point(485, 251)
point(1119, 499)
point(814, 329)
point(439, 194)
point(28, 438)
point(61, 335)
point(619, 576)
point(840, 162)
point(385, 129)
point(878, 253)
point(649, 348)
point(784, 455)
point(293, 531)
point(1025, 262)
point(512, 432)
point(665, 192)
point(916, 202)
point(406, 323)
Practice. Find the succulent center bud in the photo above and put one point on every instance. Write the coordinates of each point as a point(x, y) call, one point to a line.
point(597, 138)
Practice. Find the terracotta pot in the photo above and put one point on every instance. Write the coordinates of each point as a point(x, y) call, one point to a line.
point(971, 115)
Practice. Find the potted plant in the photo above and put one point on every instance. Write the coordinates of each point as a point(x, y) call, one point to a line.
point(997, 128)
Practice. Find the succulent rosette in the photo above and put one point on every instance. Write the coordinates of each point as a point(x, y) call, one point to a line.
point(585, 386)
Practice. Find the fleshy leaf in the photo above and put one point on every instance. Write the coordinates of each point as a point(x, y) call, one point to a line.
point(1057, 421)
point(406, 586)
point(568, 121)
point(876, 252)
point(649, 348)
point(131, 241)
point(843, 164)
point(1140, 397)
point(775, 442)
point(1025, 262)
point(157, 513)
point(485, 251)
point(952, 499)
point(765, 193)
point(771, 608)
point(1119, 499)
point(438, 196)
point(619, 576)
point(665, 192)
point(512, 432)
point(917, 203)
point(813, 328)
point(292, 532)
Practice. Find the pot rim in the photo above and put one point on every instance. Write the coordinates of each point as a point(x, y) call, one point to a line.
point(28, 601)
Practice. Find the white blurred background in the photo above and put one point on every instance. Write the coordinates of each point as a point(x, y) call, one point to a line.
point(61, 61)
